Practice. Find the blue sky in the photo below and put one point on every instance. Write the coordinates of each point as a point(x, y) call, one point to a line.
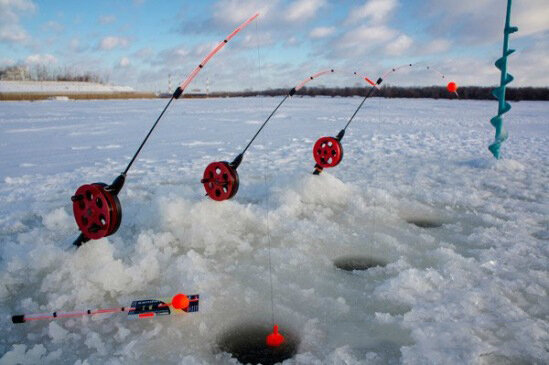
point(140, 43)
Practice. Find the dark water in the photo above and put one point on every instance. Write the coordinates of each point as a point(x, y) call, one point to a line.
point(351, 263)
point(246, 343)
point(425, 222)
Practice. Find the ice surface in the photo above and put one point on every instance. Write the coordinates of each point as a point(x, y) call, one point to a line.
point(473, 290)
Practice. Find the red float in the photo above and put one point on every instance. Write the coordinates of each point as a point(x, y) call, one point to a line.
point(328, 152)
point(96, 210)
point(220, 181)
point(275, 339)
point(452, 87)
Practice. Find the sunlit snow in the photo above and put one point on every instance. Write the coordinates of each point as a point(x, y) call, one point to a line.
point(471, 289)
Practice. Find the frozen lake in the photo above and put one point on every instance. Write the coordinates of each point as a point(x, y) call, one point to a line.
point(467, 283)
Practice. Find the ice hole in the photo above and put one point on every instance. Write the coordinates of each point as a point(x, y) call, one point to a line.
point(247, 343)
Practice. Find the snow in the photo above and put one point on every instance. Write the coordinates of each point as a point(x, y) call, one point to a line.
point(59, 86)
point(473, 290)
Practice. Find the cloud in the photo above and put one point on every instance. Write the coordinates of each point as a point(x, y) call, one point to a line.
point(529, 66)
point(479, 22)
point(145, 53)
point(106, 19)
point(10, 11)
point(321, 32)
point(303, 9)
point(398, 45)
point(172, 56)
point(292, 42)
point(236, 11)
point(74, 45)
point(360, 39)
point(257, 40)
point(124, 62)
point(112, 42)
point(375, 10)
point(41, 59)
point(436, 46)
point(531, 16)
point(53, 27)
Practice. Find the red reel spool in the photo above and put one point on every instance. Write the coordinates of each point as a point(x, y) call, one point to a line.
point(97, 211)
point(220, 181)
point(327, 152)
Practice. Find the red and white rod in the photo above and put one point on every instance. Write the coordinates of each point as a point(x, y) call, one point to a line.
point(221, 44)
point(318, 74)
point(143, 309)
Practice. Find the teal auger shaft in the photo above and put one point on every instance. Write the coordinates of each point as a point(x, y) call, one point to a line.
point(499, 92)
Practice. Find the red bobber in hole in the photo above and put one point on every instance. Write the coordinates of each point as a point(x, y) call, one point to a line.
point(275, 339)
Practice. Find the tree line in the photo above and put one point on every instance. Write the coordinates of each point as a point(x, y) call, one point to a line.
point(434, 92)
point(39, 72)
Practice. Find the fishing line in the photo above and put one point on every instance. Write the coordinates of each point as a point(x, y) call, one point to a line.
point(265, 166)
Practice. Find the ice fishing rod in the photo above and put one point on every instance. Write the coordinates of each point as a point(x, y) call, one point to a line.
point(328, 151)
point(220, 178)
point(96, 206)
point(140, 309)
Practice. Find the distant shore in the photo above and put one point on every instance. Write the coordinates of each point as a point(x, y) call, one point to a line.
point(75, 96)
point(63, 90)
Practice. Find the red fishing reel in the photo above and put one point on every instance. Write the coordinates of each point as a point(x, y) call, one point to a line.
point(327, 152)
point(220, 180)
point(97, 210)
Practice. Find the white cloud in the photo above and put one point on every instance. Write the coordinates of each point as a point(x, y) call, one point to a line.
point(436, 46)
point(303, 9)
point(291, 42)
point(171, 56)
point(112, 42)
point(74, 44)
point(41, 59)
point(124, 62)
point(473, 21)
point(10, 11)
point(144, 53)
point(321, 32)
point(106, 19)
point(529, 66)
point(375, 10)
point(236, 11)
point(255, 40)
point(53, 27)
point(531, 16)
point(365, 37)
point(398, 45)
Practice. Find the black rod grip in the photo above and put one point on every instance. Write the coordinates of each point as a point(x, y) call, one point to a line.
point(81, 239)
point(177, 93)
point(19, 318)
